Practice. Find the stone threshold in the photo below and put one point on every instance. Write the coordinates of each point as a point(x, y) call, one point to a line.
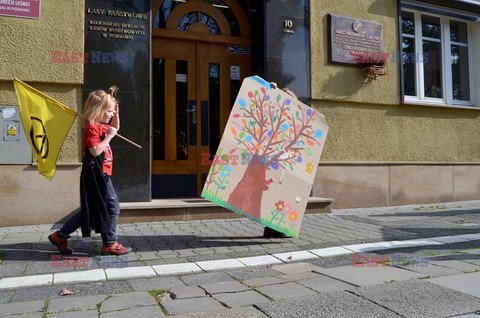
point(185, 209)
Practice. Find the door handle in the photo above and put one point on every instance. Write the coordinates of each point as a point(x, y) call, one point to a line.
point(193, 111)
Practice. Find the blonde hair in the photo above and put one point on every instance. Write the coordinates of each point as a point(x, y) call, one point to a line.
point(97, 104)
point(290, 92)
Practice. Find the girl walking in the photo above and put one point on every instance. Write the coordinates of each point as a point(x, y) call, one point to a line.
point(99, 203)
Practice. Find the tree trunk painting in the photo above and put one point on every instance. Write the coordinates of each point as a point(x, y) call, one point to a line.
point(247, 195)
point(267, 130)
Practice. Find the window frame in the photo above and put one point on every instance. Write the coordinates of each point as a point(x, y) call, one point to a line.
point(446, 43)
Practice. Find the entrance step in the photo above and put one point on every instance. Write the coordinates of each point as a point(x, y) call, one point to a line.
point(195, 209)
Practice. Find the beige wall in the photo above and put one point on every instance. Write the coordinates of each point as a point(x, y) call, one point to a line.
point(26, 46)
point(366, 118)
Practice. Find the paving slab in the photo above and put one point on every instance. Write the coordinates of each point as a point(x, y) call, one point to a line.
point(206, 278)
point(361, 276)
point(183, 292)
point(242, 312)
point(457, 265)
point(38, 293)
point(146, 284)
point(335, 304)
point(21, 308)
point(420, 298)
point(68, 303)
point(325, 284)
point(468, 283)
point(224, 287)
point(102, 288)
point(190, 305)
point(75, 314)
point(240, 299)
point(299, 276)
point(285, 291)
point(295, 268)
point(142, 312)
point(127, 301)
point(431, 270)
point(263, 281)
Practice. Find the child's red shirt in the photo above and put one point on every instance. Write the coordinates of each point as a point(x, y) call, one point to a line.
point(92, 137)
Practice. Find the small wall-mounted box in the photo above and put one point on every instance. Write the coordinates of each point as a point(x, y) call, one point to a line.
point(14, 147)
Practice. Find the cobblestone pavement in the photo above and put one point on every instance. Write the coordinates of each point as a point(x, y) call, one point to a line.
point(220, 268)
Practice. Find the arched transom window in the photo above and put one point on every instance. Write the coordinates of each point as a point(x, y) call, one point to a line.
point(221, 17)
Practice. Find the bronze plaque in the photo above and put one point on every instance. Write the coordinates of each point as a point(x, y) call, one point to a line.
point(354, 40)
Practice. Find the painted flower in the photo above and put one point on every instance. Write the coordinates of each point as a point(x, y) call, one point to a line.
point(225, 171)
point(279, 205)
point(287, 208)
point(309, 112)
point(293, 216)
point(284, 126)
point(249, 138)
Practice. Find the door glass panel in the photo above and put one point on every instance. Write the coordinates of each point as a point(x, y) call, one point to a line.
point(182, 105)
point(158, 109)
point(214, 107)
point(234, 89)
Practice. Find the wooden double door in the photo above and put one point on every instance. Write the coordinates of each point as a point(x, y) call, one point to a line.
point(195, 84)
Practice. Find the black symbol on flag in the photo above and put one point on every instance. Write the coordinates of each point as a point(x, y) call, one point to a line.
point(39, 138)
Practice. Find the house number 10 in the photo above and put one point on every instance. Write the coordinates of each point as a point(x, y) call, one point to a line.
point(287, 23)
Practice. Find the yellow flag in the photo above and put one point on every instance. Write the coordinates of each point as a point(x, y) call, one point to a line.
point(46, 123)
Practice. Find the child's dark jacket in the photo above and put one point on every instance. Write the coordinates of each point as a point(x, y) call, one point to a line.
point(93, 195)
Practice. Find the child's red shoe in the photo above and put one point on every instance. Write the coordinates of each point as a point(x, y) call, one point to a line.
point(60, 242)
point(115, 249)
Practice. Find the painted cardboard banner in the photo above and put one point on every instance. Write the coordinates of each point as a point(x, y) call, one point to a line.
point(267, 159)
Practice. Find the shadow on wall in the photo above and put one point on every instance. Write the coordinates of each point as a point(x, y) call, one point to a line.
point(344, 83)
point(381, 7)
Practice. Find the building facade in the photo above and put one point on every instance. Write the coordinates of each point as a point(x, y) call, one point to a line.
point(397, 82)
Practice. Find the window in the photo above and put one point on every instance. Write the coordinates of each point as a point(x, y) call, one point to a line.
point(436, 59)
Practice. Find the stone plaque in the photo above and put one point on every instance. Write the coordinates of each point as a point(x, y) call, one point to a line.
point(352, 37)
point(117, 51)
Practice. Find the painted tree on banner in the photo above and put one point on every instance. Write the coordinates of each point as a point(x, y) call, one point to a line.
point(272, 132)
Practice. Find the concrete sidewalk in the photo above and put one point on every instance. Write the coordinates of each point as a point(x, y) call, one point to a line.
point(189, 268)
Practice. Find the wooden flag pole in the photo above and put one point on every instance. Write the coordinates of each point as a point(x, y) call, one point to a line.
point(118, 135)
point(128, 140)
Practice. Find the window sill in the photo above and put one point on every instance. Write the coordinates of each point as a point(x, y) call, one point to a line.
point(437, 104)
